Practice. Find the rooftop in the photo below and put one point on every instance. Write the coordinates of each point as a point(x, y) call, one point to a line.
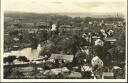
point(62, 56)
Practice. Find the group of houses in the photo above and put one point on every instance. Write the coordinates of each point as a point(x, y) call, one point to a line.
point(59, 59)
point(48, 26)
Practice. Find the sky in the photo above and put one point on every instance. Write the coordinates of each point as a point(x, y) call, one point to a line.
point(69, 6)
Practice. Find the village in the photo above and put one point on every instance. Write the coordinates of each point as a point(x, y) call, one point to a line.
point(71, 48)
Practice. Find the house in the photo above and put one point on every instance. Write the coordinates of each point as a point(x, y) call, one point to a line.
point(56, 71)
point(110, 39)
point(28, 27)
point(62, 57)
point(103, 32)
point(54, 27)
point(65, 27)
point(16, 25)
point(120, 23)
point(97, 61)
point(99, 42)
point(43, 26)
point(86, 68)
point(110, 33)
point(74, 75)
point(108, 75)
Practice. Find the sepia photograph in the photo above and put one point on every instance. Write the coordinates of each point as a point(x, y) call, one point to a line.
point(59, 40)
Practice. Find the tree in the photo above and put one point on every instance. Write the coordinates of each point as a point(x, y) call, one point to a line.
point(10, 59)
point(100, 52)
point(5, 59)
point(47, 49)
point(79, 58)
point(74, 43)
point(23, 58)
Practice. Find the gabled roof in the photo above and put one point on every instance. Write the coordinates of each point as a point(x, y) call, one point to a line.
point(62, 56)
point(110, 39)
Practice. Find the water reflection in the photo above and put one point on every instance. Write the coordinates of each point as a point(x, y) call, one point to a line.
point(28, 52)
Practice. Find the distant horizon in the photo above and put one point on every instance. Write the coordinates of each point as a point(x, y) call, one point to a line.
point(73, 14)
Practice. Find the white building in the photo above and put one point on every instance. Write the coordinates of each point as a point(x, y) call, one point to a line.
point(99, 42)
point(53, 27)
point(97, 61)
